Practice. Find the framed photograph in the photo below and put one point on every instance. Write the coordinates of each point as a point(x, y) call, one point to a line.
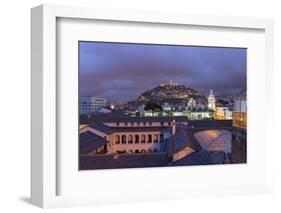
point(138, 118)
point(130, 106)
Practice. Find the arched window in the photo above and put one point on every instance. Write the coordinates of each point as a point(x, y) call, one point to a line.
point(149, 140)
point(130, 151)
point(117, 139)
point(137, 151)
point(155, 138)
point(161, 138)
point(124, 139)
point(142, 138)
point(137, 139)
point(130, 139)
point(142, 151)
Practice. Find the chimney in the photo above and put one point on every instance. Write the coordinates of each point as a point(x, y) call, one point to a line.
point(173, 127)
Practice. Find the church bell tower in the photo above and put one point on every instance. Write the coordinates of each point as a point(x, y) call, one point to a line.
point(211, 101)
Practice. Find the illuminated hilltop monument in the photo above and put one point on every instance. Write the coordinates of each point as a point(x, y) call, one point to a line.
point(211, 101)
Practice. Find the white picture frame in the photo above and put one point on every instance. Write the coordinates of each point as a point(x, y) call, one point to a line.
point(44, 154)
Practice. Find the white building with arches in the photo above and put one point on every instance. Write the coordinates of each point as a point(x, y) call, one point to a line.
point(133, 134)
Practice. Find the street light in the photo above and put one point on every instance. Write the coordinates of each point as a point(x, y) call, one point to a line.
point(112, 106)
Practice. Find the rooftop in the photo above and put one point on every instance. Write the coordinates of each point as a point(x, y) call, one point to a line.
point(90, 142)
point(101, 127)
point(109, 130)
point(198, 158)
point(214, 140)
point(112, 117)
point(117, 161)
point(210, 123)
point(183, 138)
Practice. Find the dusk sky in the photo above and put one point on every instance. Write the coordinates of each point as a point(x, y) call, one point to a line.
point(121, 72)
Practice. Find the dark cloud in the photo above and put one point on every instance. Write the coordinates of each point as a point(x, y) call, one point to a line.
point(123, 71)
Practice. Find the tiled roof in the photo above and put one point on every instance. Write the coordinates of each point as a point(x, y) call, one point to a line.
point(201, 157)
point(218, 157)
point(198, 158)
point(108, 130)
point(116, 161)
point(89, 142)
point(101, 127)
point(182, 139)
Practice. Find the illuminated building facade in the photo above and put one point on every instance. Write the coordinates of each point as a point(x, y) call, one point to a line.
point(223, 113)
point(240, 111)
point(239, 120)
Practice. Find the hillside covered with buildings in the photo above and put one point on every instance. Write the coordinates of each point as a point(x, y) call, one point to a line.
point(171, 91)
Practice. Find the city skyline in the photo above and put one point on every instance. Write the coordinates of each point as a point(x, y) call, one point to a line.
point(122, 71)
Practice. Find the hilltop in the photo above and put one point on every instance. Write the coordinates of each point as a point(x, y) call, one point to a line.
point(171, 91)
